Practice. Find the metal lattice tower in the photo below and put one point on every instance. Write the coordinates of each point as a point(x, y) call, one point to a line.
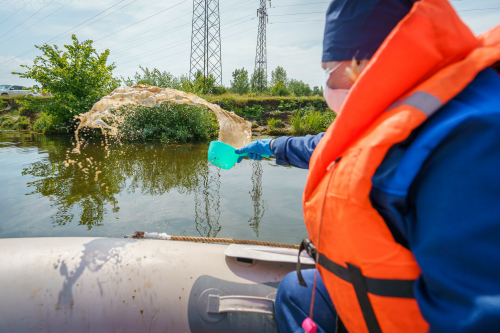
point(205, 41)
point(261, 53)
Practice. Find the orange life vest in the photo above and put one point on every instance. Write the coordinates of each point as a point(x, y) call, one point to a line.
point(429, 57)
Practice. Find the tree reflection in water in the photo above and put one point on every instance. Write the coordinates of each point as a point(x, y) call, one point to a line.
point(258, 207)
point(152, 169)
point(207, 202)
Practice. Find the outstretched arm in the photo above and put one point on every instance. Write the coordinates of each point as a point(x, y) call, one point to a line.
point(295, 151)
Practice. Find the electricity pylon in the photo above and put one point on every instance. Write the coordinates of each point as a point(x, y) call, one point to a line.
point(261, 53)
point(205, 41)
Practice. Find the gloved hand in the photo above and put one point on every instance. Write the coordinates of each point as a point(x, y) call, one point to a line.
point(256, 149)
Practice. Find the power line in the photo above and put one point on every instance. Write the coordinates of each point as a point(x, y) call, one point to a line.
point(72, 33)
point(297, 21)
point(253, 18)
point(142, 33)
point(298, 14)
point(126, 46)
point(15, 12)
point(37, 22)
point(160, 58)
point(472, 9)
point(171, 45)
point(302, 4)
point(31, 50)
point(161, 34)
point(188, 49)
point(235, 6)
point(141, 20)
point(27, 18)
point(168, 45)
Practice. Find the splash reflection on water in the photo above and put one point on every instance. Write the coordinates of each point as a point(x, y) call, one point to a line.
point(147, 186)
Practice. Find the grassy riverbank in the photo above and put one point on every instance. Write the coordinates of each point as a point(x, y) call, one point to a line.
point(269, 115)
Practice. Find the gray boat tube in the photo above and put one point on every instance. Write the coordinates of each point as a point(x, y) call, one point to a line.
point(126, 285)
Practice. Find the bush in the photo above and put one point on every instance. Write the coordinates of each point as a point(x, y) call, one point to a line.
point(168, 122)
point(311, 121)
point(22, 123)
point(280, 89)
point(161, 79)
point(274, 124)
point(77, 77)
point(253, 112)
point(299, 88)
point(7, 123)
point(46, 124)
point(317, 91)
point(258, 82)
point(218, 90)
point(14, 123)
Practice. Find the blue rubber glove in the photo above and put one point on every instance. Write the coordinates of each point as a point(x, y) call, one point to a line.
point(256, 149)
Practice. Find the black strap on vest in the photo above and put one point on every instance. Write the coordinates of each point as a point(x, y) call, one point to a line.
point(379, 287)
point(307, 246)
point(340, 326)
point(364, 285)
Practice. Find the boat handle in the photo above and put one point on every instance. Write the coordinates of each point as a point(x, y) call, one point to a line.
point(238, 303)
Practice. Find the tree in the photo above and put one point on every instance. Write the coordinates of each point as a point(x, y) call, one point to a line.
point(280, 89)
point(258, 81)
point(317, 91)
point(279, 74)
point(202, 83)
point(240, 84)
point(299, 88)
point(160, 79)
point(77, 77)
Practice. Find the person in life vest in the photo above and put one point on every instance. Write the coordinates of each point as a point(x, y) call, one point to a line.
point(402, 201)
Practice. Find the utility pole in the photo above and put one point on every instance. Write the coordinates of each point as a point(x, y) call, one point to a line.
point(205, 41)
point(261, 53)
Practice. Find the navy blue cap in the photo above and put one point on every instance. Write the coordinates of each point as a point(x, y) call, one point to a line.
point(356, 28)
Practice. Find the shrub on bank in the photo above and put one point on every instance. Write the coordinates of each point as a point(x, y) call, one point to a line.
point(45, 124)
point(14, 123)
point(311, 121)
point(168, 122)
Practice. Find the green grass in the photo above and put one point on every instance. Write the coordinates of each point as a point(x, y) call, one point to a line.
point(14, 123)
point(274, 124)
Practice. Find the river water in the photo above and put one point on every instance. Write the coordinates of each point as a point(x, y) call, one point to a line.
point(151, 187)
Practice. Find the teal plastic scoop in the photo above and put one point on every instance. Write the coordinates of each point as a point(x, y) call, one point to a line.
point(223, 155)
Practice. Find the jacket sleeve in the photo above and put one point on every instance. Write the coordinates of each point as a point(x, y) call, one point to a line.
point(453, 226)
point(295, 151)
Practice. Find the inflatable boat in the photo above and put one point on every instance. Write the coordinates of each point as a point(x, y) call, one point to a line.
point(128, 285)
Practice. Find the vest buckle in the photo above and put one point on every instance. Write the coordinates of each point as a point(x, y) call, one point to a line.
point(310, 249)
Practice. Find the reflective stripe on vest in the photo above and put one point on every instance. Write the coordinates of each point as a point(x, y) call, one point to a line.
point(368, 275)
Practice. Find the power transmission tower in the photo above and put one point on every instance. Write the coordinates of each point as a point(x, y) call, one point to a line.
point(205, 41)
point(261, 54)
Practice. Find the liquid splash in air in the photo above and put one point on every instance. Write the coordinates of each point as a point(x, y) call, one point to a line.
point(233, 129)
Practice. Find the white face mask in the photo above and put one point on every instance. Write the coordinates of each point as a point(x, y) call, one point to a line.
point(334, 97)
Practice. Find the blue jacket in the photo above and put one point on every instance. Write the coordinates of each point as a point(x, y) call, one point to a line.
point(439, 193)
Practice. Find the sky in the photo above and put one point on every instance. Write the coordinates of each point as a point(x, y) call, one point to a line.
point(157, 34)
